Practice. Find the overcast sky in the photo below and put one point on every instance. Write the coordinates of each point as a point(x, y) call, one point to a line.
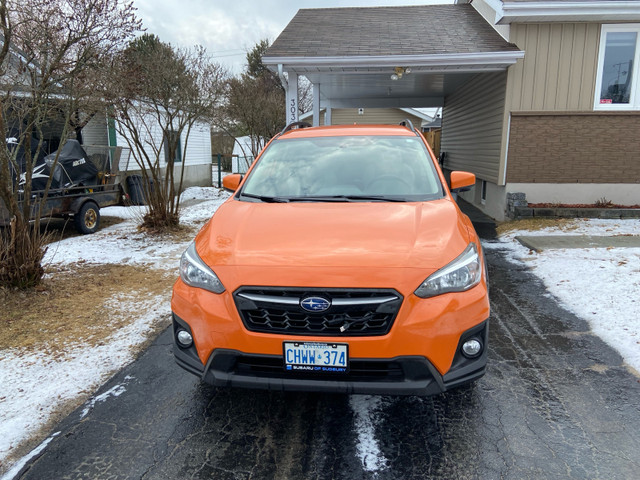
point(229, 28)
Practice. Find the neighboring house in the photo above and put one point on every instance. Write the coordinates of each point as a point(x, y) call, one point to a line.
point(433, 126)
point(537, 97)
point(242, 157)
point(197, 168)
point(369, 116)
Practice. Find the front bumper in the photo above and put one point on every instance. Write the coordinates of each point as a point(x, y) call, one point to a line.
point(401, 375)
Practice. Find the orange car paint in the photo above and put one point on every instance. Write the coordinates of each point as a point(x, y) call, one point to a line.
point(299, 253)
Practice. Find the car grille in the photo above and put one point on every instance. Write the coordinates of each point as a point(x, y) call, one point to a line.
point(353, 312)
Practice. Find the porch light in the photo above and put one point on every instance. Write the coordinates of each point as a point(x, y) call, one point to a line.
point(399, 72)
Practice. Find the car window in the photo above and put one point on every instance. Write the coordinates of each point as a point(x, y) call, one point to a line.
point(394, 167)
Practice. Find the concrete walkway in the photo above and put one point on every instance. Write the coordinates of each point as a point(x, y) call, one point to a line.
point(546, 242)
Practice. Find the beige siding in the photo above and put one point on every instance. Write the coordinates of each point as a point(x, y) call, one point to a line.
point(558, 72)
point(472, 126)
point(387, 116)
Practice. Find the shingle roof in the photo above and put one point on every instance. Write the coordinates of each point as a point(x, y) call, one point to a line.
point(382, 31)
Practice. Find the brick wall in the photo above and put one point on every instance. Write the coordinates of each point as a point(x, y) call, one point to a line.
point(574, 148)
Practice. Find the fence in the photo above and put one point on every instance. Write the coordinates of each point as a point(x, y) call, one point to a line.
point(226, 163)
point(433, 139)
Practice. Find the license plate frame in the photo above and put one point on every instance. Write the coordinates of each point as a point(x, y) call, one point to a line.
point(316, 357)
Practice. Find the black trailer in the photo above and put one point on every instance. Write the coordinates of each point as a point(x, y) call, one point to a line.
point(79, 188)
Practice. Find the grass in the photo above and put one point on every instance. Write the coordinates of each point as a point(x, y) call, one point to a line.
point(535, 224)
point(75, 305)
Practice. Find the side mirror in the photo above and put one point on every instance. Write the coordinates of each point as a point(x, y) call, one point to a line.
point(461, 180)
point(231, 182)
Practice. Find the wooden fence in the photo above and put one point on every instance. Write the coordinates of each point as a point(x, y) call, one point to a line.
point(433, 139)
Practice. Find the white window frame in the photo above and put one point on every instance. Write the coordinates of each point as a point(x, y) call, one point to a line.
point(634, 99)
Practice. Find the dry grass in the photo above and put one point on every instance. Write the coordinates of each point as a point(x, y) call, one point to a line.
point(534, 224)
point(75, 305)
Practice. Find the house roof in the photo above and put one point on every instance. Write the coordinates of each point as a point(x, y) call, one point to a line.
point(353, 55)
point(388, 31)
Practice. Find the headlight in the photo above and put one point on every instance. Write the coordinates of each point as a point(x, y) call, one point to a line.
point(460, 275)
point(195, 273)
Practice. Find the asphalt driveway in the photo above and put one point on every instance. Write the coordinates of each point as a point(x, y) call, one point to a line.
point(556, 403)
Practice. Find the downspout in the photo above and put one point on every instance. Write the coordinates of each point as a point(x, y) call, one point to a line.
point(283, 79)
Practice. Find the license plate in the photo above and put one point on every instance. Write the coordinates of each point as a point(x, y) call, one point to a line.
point(316, 357)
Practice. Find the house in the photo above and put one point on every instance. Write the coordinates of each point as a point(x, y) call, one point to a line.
point(571, 120)
point(540, 99)
point(101, 130)
point(369, 116)
point(372, 116)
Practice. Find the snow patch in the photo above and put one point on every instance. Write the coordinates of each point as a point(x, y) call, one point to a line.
point(23, 461)
point(599, 285)
point(112, 392)
point(365, 407)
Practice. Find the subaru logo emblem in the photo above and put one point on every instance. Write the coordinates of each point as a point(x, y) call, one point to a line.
point(315, 304)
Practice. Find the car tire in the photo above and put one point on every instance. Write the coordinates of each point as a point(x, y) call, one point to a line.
point(87, 220)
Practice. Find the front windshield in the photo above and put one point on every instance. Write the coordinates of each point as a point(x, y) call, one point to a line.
point(323, 168)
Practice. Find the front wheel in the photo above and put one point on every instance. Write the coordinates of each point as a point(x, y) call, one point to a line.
point(87, 220)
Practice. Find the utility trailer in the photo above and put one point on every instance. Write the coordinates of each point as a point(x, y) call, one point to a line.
point(81, 185)
point(83, 204)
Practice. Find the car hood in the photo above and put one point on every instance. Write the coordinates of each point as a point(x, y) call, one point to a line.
point(425, 235)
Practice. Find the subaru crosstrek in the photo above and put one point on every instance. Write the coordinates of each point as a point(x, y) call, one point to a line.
point(340, 264)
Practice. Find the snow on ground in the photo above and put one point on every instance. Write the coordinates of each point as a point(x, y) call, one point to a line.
point(600, 285)
point(365, 408)
point(34, 384)
point(122, 243)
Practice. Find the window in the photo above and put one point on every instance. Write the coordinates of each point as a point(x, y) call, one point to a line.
point(175, 140)
point(483, 194)
point(617, 82)
point(395, 168)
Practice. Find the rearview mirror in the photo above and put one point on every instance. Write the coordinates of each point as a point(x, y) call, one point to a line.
point(461, 180)
point(231, 182)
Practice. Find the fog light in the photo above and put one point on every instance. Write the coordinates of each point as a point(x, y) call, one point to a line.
point(471, 348)
point(185, 340)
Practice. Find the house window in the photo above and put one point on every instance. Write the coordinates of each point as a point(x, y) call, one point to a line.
point(175, 140)
point(618, 68)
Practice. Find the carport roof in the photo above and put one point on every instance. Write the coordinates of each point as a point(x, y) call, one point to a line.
point(423, 30)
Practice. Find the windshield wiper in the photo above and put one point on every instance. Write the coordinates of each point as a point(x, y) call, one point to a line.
point(347, 198)
point(265, 198)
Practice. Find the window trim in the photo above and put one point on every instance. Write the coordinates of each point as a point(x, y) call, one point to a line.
point(634, 100)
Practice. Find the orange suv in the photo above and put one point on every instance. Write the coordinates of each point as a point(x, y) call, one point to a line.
point(341, 264)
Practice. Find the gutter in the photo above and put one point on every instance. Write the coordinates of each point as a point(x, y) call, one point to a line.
point(381, 61)
point(507, 11)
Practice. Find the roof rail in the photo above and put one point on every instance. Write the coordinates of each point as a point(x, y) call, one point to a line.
point(296, 125)
point(407, 123)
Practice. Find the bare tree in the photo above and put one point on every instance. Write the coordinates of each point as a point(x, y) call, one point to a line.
point(160, 94)
point(256, 102)
point(256, 109)
point(52, 53)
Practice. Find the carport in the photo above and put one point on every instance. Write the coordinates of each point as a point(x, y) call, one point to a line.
point(415, 56)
